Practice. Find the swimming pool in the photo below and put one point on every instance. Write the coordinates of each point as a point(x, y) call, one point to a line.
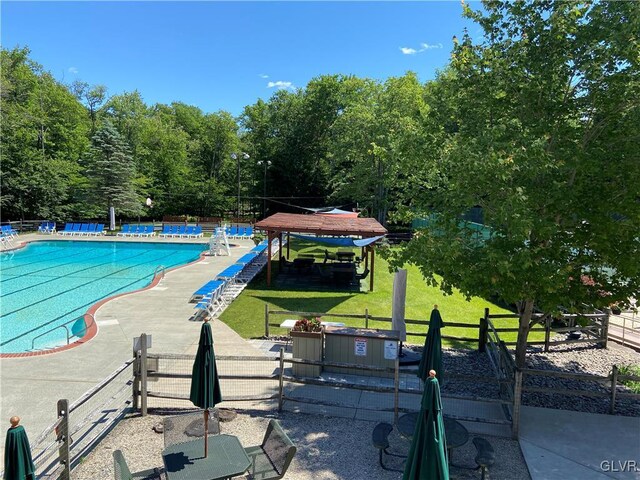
point(47, 284)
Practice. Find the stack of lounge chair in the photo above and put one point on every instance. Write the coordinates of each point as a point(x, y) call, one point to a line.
point(47, 227)
point(181, 231)
point(239, 232)
point(136, 231)
point(8, 231)
point(216, 294)
point(83, 229)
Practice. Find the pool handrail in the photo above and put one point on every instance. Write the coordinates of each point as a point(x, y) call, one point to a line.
point(64, 325)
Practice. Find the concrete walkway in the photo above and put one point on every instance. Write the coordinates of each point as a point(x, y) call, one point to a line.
point(31, 386)
point(588, 446)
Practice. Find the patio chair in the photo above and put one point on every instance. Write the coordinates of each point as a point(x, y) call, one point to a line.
point(271, 459)
point(150, 231)
point(197, 231)
point(189, 231)
point(166, 231)
point(121, 470)
point(76, 228)
point(100, 229)
point(84, 229)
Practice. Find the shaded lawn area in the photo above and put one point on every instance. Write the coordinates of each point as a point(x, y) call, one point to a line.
point(246, 314)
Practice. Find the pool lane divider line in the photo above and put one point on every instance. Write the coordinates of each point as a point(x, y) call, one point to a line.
point(71, 290)
point(92, 328)
point(46, 259)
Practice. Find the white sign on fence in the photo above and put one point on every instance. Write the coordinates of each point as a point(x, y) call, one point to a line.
point(136, 343)
point(390, 349)
point(360, 347)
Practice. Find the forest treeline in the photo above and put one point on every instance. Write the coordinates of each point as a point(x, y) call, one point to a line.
point(70, 151)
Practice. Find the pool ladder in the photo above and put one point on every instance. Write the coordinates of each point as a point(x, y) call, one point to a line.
point(64, 325)
point(160, 270)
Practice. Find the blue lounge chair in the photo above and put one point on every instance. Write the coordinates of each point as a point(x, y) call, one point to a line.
point(47, 227)
point(197, 231)
point(76, 229)
point(248, 232)
point(92, 229)
point(247, 258)
point(166, 230)
point(230, 272)
point(124, 231)
point(149, 231)
point(84, 228)
point(181, 230)
point(68, 228)
point(100, 229)
point(189, 231)
point(233, 233)
point(8, 230)
point(206, 289)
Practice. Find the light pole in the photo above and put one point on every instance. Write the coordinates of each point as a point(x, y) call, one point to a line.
point(237, 156)
point(266, 164)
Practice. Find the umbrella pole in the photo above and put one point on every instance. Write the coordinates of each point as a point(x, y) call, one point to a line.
point(206, 433)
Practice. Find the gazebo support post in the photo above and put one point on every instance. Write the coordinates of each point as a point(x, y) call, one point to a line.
point(288, 242)
point(373, 270)
point(366, 257)
point(280, 252)
point(269, 239)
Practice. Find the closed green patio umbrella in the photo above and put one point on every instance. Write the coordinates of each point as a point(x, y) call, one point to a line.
point(428, 458)
point(432, 351)
point(18, 464)
point(205, 387)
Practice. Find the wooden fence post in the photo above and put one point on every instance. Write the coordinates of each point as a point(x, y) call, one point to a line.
point(605, 328)
point(517, 401)
point(63, 435)
point(547, 332)
point(366, 318)
point(396, 388)
point(143, 373)
point(614, 383)
point(483, 331)
point(136, 380)
point(266, 319)
point(281, 386)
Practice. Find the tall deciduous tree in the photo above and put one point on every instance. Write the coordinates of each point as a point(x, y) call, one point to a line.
point(111, 173)
point(540, 129)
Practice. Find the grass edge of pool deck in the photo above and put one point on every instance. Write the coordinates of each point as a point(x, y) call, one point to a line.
point(31, 386)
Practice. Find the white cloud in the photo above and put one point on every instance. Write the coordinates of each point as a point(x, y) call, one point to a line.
point(73, 70)
point(280, 85)
point(263, 75)
point(427, 46)
point(408, 51)
point(423, 48)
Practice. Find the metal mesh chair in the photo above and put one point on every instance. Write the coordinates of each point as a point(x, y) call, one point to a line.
point(271, 459)
point(121, 470)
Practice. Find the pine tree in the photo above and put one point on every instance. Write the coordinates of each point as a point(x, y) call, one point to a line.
point(111, 172)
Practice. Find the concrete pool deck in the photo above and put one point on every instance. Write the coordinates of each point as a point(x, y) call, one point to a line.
point(31, 386)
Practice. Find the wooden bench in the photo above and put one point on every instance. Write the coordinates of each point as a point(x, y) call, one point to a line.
point(485, 456)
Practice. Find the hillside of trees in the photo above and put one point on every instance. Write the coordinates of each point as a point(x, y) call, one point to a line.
point(71, 151)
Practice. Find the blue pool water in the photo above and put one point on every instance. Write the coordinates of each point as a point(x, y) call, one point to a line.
point(49, 283)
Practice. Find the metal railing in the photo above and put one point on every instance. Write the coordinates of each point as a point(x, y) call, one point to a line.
point(64, 325)
point(160, 269)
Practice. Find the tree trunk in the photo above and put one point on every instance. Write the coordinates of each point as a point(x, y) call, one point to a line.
point(526, 312)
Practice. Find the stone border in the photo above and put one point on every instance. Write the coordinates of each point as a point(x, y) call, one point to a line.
point(92, 330)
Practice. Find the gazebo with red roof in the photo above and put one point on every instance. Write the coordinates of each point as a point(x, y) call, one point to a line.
point(337, 225)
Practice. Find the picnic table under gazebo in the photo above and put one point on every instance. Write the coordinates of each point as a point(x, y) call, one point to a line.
point(339, 230)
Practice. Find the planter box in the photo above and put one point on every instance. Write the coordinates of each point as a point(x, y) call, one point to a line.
point(307, 346)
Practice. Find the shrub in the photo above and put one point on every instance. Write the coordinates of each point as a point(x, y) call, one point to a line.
point(308, 325)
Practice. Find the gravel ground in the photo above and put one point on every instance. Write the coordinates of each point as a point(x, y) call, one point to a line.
point(560, 358)
point(577, 359)
point(326, 448)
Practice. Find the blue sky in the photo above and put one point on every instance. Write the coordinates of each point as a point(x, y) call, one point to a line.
point(225, 55)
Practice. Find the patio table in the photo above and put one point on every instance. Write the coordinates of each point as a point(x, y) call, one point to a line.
point(189, 426)
point(456, 433)
point(226, 459)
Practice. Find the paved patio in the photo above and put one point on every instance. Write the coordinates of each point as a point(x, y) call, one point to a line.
point(31, 386)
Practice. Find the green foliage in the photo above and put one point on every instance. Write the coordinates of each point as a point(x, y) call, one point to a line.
point(630, 370)
point(538, 126)
point(110, 172)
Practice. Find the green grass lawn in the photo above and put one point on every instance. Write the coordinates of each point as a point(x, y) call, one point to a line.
point(246, 314)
